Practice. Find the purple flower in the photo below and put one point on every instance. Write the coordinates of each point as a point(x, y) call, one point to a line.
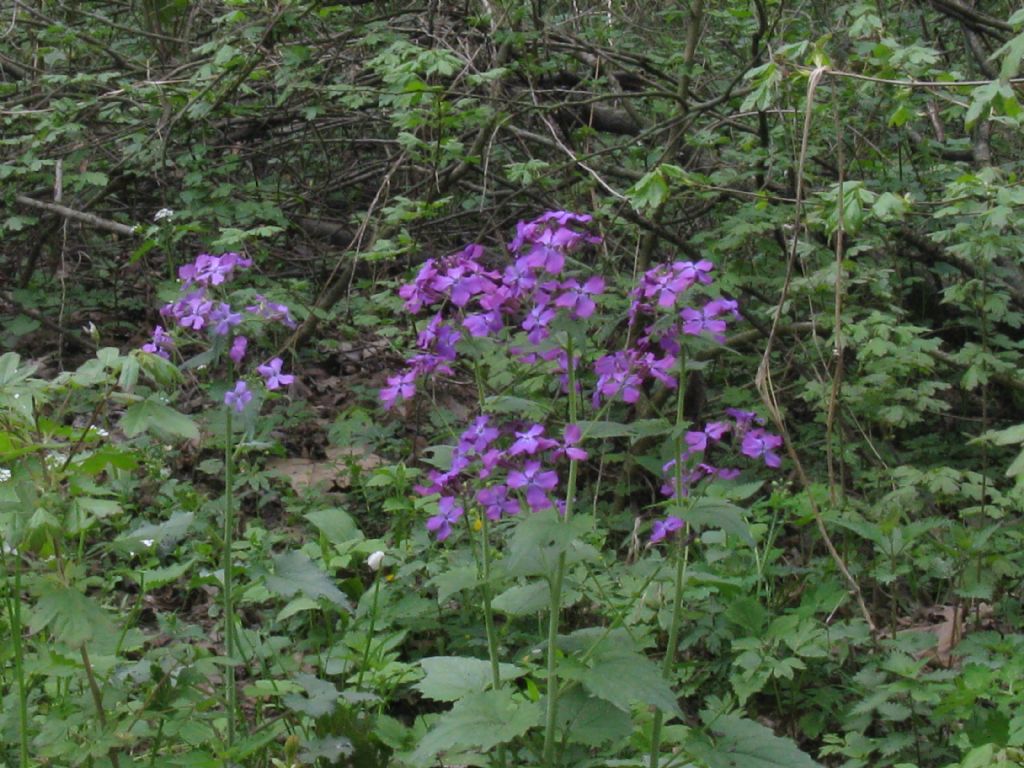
point(478, 436)
point(238, 347)
point(161, 342)
point(531, 441)
point(420, 292)
point(576, 297)
point(192, 311)
point(696, 322)
point(239, 397)
point(761, 443)
point(448, 512)
point(223, 319)
point(495, 501)
point(271, 373)
point(570, 446)
point(666, 527)
point(535, 483)
point(744, 420)
point(440, 337)
point(615, 376)
point(401, 386)
point(537, 320)
point(712, 432)
point(480, 324)
point(273, 311)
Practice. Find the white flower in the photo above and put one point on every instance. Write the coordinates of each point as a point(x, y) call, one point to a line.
point(374, 560)
point(99, 431)
point(5, 475)
point(163, 213)
point(147, 542)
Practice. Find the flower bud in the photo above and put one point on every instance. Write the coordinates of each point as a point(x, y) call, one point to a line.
point(374, 561)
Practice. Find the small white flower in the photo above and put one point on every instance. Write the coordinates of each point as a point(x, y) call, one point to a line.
point(100, 431)
point(163, 213)
point(147, 543)
point(5, 475)
point(374, 561)
point(9, 550)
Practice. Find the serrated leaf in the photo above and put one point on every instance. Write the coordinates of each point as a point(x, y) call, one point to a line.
point(590, 720)
point(71, 616)
point(454, 580)
point(294, 572)
point(336, 524)
point(481, 721)
point(523, 599)
point(623, 679)
point(152, 415)
point(541, 538)
point(743, 743)
point(153, 578)
point(708, 512)
point(167, 532)
point(321, 696)
point(448, 678)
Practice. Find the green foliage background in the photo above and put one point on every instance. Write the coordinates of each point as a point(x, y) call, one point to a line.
point(854, 171)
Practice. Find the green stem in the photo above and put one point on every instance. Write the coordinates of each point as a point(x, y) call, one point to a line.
point(555, 606)
point(670, 652)
point(677, 598)
point(369, 635)
point(14, 612)
point(97, 698)
point(229, 606)
point(492, 635)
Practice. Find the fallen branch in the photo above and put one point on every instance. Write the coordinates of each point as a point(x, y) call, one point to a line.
point(82, 216)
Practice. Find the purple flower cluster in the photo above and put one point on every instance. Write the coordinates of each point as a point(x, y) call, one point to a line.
point(474, 301)
point(500, 469)
point(755, 442)
point(198, 308)
point(653, 355)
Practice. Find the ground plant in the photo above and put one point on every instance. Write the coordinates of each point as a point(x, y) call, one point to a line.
point(511, 383)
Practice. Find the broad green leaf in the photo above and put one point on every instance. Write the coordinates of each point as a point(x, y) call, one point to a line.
point(454, 580)
point(72, 617)
point(321, 696)
point(624, 679)
point(481, 721)
point(336, 524)
point(541, 538)
point(150, 414)
point(165, 533)
point(448, 678)
point(524, 599)
point(709, 512)
point(590, 720)
point(743, 743)
point(152, 578)
point(294, 572)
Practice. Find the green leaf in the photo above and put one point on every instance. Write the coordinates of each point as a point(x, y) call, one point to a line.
point(480, 721)
point(152, 415)
point(294, 572)
point(154, 578)
point(525, 599)
point(321, 696)
point(448, 678)
point(166, 533)
point(743, 743)
point(71, 616)
point(336, 524)
point(454, 580)
point(590, 720)
point(709, 512)
point(541, 538)
point(649, 192)
point(624, 678)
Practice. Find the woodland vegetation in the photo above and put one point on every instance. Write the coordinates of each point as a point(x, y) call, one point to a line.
point(511, 383)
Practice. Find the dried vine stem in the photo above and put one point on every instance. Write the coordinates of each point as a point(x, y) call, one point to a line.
point(763, 380)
